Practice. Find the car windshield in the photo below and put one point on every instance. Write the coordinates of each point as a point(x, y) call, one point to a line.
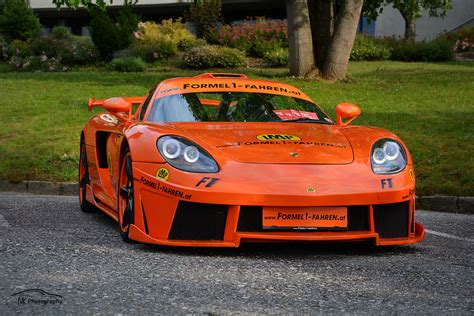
point(235, 107)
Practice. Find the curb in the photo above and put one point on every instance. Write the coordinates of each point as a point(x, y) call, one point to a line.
point(438, 203)
point(39, 187)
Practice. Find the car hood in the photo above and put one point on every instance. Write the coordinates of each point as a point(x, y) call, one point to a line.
point(285, 143)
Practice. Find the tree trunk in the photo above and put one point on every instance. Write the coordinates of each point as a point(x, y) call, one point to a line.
point(342, 40)
point(321, 15)
point(300, 46)
point(410, 28)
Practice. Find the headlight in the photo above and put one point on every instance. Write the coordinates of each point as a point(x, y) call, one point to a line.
point(388, 156)
point(185, 155)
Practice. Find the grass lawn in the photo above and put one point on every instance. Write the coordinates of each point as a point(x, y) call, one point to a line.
point(430, 106)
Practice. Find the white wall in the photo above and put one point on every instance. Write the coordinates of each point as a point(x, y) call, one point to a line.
point(391, 23)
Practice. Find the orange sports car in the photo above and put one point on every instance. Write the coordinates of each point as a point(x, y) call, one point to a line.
point(219, 159)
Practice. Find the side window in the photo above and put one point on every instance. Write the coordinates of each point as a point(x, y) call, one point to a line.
point(146, 103)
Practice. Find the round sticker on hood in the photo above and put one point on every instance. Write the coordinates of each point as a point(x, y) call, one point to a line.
point(277, 137)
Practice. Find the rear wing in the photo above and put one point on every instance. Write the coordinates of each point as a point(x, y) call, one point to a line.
point(133, 100)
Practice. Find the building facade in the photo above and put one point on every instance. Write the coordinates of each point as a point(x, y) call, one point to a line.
point(157, 10)
point(389, 24)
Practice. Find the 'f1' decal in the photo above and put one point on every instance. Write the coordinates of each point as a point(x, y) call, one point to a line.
point(208, 181)
point(386, 183)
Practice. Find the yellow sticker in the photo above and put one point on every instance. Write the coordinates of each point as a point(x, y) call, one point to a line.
point(277, 137)
point(163, 173)
point(412, 175)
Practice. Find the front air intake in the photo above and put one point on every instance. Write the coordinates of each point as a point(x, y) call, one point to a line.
point(391, 220)
point(199, 221)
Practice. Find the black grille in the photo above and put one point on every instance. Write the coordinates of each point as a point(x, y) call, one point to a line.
point(250, 219)
point(198, 221)
point(358, 218)
point(391, 220)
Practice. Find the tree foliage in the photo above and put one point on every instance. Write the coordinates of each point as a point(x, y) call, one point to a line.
point(409, 9)
point(436, 8)
point(101, 4)
point(205, 15)
point(108, 35)
point(17, 20)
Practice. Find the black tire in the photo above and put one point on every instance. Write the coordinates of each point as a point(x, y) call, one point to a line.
point(84, 179)
point(125, 197)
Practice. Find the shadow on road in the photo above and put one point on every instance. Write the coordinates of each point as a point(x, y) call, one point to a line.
point(269, 250)
point(287, 250)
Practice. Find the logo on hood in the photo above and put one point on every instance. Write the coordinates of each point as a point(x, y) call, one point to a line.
point(277, 137)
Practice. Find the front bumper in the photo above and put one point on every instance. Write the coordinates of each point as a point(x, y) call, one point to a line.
point(167, 213)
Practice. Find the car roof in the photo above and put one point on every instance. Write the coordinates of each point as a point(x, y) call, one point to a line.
point(226, 82)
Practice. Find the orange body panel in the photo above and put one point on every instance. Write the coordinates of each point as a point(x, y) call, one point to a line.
point(318, 166)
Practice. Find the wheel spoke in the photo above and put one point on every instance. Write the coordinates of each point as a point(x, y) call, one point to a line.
point(128, 168)
point(127, 193)
point(126, 217)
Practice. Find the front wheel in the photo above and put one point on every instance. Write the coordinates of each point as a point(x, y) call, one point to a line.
point(126, 197)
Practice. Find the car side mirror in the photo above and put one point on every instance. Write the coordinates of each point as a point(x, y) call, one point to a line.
point(118, 105)
point(348, 111)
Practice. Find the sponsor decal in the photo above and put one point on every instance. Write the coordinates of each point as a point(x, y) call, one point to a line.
point(169, 90)
point(277, 137)
point(294, 155)
point(386, 183)
point(163, 174)
point(282, 142)
point(163, 188)
point(208, 181)
point(412, 175)
point(108, 118)
point(410, 194)
point(236, 85)
point(305, 217)
point(310, 189)
point(291, 115)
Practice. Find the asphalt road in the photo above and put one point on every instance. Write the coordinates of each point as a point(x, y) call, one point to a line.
point(47, 243)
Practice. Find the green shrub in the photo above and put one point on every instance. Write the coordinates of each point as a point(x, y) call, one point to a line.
point(158, 41)
point(277, 58)
point(128, 52)
point(37, 63)
point(5, 68)
point(205, 17)
point(70, 50)
point(128, 64)
point(104, 33)
point(79, 50)
point(60, 32)
point(210, 56)
point(109, 36)
point(367, 48)
point(6, 49)
point(255, 37)
point(437, 50)
point(186, 44)
point(20, 47)
point(127, 24)
point(17, 20)
point(461, 40)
